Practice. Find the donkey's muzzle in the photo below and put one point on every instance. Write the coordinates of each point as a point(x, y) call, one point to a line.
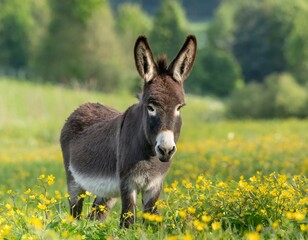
point(165, 146)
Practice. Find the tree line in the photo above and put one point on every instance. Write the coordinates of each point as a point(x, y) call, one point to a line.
point(89, 43)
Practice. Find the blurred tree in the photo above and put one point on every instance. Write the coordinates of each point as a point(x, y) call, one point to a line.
point(21, 27)
point(169, 28)
point(81, 45)
point(297, 46)
point(131, 22)
point(15, 23)
point(215, 72)
point(259, 39)
point(220, 30)
point(262, 35)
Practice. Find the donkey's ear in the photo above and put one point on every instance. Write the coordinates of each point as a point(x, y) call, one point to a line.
point(183, 62)
point(144, 61)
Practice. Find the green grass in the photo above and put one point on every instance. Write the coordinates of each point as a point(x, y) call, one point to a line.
point(220, 185)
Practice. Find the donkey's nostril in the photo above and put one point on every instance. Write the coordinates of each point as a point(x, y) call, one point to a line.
point(160, 150)
point(172, 150)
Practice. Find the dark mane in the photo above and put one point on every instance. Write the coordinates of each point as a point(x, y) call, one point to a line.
point(162, 64)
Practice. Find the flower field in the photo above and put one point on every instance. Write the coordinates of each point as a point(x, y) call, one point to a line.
point(228, 180)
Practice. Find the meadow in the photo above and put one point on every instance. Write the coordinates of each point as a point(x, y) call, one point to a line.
point(229, 179)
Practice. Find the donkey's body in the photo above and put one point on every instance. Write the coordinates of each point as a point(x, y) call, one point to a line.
point(113, 154)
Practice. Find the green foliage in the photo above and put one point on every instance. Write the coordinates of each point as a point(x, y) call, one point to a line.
point(264, 36)
point(169, 29)
point(131, 22)
point(221, 28)
point(289, 98)
point(297, 46)
point(22, 25)
point(259, 39)
point(87, 53)
point(15, 27)
point(215, 72)
point(280, 96)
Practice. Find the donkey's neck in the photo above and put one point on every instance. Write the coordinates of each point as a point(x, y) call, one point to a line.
point(133, 131)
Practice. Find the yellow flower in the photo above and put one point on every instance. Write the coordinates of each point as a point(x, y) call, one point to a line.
point(32, 197)
point(276, 224)
point(221, 184)
point(252, 236)
point(191, 210)
point(206, 218)
point(304, 227)
point(41, 206)
point(82, 195)
point(171, 238)
point(200, 226)
point(216, 226)
point(299, 216)
point(10, 191)
point(259, 228)
point(158, 218)
point(139, 214)
point(146, 215)
point(187, 237)
point(36, 222)
point(64, 234)
point(183, 213)
point(174, 184)
point(28, 191)
point(50, 180)
point(58, 195)
point(8, 206)
point(6, 229)
point(289, 215)
point(42, 176)
point(102, 208)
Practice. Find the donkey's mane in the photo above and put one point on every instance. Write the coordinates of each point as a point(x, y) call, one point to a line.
point(162, 64)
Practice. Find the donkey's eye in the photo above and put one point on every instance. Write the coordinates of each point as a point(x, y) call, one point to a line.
point(177, 112)
point(151, 110)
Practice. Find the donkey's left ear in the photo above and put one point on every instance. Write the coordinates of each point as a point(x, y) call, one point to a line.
point(144, 61)
point(183, 62)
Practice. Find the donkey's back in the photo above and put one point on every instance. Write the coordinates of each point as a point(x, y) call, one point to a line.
point(83, 117)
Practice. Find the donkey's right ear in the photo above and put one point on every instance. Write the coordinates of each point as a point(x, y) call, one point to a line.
point(144, 61)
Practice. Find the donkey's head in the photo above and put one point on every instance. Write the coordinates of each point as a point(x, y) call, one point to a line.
point(163, 94)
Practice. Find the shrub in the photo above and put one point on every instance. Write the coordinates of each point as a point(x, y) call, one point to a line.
point(279, 96)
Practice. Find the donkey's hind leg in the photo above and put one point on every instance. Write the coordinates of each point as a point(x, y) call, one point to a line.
point(75, 201)
point(101, 208)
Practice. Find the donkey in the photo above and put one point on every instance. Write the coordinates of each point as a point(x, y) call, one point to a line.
point(113, 154)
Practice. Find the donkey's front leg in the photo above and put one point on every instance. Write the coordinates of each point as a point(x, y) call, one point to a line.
point(128, 197)
point(149, 198)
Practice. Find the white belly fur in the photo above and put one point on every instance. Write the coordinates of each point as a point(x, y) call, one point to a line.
point(100, 186)
point(110, 186)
